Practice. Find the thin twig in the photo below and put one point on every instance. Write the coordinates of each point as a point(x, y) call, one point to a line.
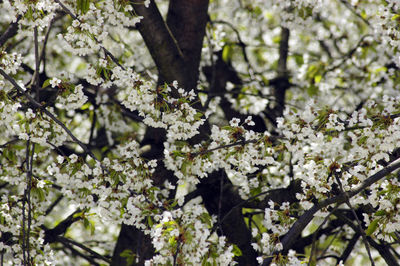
point(66, 9)
point(351, 8)
point(10, 31)
point(178, 246)
point(306, 218)
point(243, 142)
point(363, 235)
point(329, 245)
point(240, 204)
point(93, 253)
point(383, 251)
point(51, 207)
point(347, 55)
point(93, 126)
point(48, 113)
point(349, 248)
point(23, 205)
point(2, 146)
point(107, 52)
point(80, 254)
point(43, 51)
point(313, 246)
point(241, 44)
point(29, 188)
point(221, 190)
point(35, 78)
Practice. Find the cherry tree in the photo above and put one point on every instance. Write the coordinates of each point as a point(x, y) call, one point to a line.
point(196, 132)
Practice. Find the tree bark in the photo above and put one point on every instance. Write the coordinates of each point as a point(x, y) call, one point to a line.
point(172, 63)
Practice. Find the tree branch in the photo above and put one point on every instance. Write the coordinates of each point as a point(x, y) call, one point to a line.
point(162, 46)
point(306, 218)
point(346, 253)
point(10, 32)
point(107, 52)
point(383, 251)
point(281, 83)
point(93, 253)
point(60, 229)
point(187, 20)
point(48, 113)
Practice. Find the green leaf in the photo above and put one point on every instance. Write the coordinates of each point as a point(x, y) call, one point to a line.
point(39, 193)
point(78, 214)
point(29, 13)
point(106, 75)
point(92, 228)
point(312, 90)
point(312, 71)
point(362, 140)
point(128, 255)
point(380, 69)
point(227, 53)
point(81, 66)
point(89, 225)
point(236, 251)
point(150, 221)
point(85, 106)
point(299, 59)
point(363, 14)
point(184, 167)
point(372, 227)
point(46, 83)
point(177, 154)
point(396, 16)
point(172, 241)
point(380, 213)
point(78, 5)
point(198, 116)
point(276, 39)
point(317, 78)
point(280, 157)
point(312, 261)
point(83, 6)
point(230, 154)
point(86, 223)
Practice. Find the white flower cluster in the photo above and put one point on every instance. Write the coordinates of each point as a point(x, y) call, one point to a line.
point(87, 33)
point(327, 145)
point(159, 109)
point(387, 215)
point(78, 39)
point(8, 114)
point(217, 39)
point(10, 62)
point(108, 185)
point(249, 102)
point(34, 13)
point(41, 129)
point(239, 151)
point(11, 226)
point(110, 118)
point(188, 233)
point(278, 221)
point(92, 76)
point(29, 125)
point(387, 24)
point(71, 98)
point(299, 13)
point(319, 145)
